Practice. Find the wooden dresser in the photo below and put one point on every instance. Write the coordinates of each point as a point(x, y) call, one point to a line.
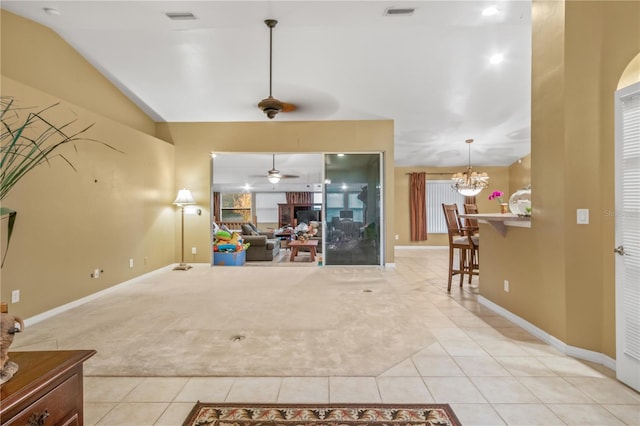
point(46, 390)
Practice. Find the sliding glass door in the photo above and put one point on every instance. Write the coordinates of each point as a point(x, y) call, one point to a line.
point(353, 209)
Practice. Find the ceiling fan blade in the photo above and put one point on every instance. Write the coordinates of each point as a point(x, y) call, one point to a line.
point(287, 107)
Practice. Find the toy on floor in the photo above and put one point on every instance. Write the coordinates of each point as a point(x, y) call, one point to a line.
point(228, 242)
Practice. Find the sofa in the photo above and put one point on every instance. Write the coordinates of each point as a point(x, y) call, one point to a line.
point(262, 245)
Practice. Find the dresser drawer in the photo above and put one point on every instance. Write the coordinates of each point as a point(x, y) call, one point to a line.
point(57, 407)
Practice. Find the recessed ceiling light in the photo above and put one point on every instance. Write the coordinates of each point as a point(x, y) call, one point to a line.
point(490, 11)
point(496, 59)
point(51, 11)
point(181, 16)
point(399, 11)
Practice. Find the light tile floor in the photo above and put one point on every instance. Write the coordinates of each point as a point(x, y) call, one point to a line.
point(491, 372)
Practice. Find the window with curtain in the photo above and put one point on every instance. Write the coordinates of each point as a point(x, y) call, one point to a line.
point(439, 192)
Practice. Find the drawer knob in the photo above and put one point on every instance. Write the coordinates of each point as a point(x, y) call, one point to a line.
point(38, 419)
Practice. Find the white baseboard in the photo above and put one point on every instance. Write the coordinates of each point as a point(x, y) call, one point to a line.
point(60, 309)
point(585, 354)
point(390, 265)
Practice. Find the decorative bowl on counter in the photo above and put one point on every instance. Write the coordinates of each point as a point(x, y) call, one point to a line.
point(520, 202)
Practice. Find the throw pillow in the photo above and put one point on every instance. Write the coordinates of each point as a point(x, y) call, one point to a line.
point(255, 233)
point(253, 227)
point(246, 229)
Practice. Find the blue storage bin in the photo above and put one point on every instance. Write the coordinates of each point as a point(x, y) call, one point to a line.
point(229, 259)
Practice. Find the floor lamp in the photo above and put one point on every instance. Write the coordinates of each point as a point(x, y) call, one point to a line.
point(184, 198)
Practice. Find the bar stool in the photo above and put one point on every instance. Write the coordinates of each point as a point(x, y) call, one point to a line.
point(461, 238)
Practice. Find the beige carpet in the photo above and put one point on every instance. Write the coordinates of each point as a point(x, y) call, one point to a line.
point(251, 321)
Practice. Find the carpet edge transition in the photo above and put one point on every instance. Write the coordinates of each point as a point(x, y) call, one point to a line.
point(246, 414)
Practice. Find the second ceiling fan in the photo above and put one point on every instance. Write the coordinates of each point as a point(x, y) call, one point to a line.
point(272, 106)
point(274, 174)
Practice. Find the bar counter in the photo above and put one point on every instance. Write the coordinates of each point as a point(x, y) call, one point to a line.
point(500, 221)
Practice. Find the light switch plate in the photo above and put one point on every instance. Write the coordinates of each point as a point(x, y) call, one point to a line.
point(582, 216)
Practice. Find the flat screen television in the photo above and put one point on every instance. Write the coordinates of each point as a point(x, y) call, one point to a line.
point(346, 214)
point(307, 216)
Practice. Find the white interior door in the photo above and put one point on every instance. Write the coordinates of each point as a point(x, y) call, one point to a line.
point(627, 251)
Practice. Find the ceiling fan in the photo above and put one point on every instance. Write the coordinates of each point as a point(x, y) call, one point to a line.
point(274, 174)
point(272, 106)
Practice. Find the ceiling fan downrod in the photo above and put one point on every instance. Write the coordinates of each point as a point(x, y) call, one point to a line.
point(270, 106)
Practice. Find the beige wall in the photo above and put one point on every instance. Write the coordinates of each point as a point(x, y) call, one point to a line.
point(116, 206)
point(520, 174)
point(499, 181)
point(561, 273)
point(195, 141)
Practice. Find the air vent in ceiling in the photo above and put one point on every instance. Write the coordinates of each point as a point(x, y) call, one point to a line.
point(181, 16)
point(397, 11)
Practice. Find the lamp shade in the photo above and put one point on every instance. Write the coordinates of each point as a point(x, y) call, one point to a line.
point(184, 197)
point(274, 179)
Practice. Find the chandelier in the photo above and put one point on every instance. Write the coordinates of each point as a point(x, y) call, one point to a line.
point(470, 183)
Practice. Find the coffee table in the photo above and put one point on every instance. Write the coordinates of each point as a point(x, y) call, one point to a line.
point(297, 244)
point(285, 238)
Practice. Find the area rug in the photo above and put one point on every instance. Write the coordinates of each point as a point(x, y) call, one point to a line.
point(321, 415)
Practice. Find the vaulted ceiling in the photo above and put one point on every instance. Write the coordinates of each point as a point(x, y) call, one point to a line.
point(430, 71)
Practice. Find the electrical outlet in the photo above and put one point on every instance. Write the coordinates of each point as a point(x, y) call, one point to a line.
point(15, 296)
point(96, 273)
point(194, 250)
point(130, 263)
point(506, 286)
point(582, 216)
point(397, 237)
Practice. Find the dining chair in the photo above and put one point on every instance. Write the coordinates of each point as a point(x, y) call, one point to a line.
point(461, 239)
point(471, 223)
point(474, 229)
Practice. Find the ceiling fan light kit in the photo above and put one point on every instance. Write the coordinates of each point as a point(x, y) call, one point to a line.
point(274, 179)
point(274, 174)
